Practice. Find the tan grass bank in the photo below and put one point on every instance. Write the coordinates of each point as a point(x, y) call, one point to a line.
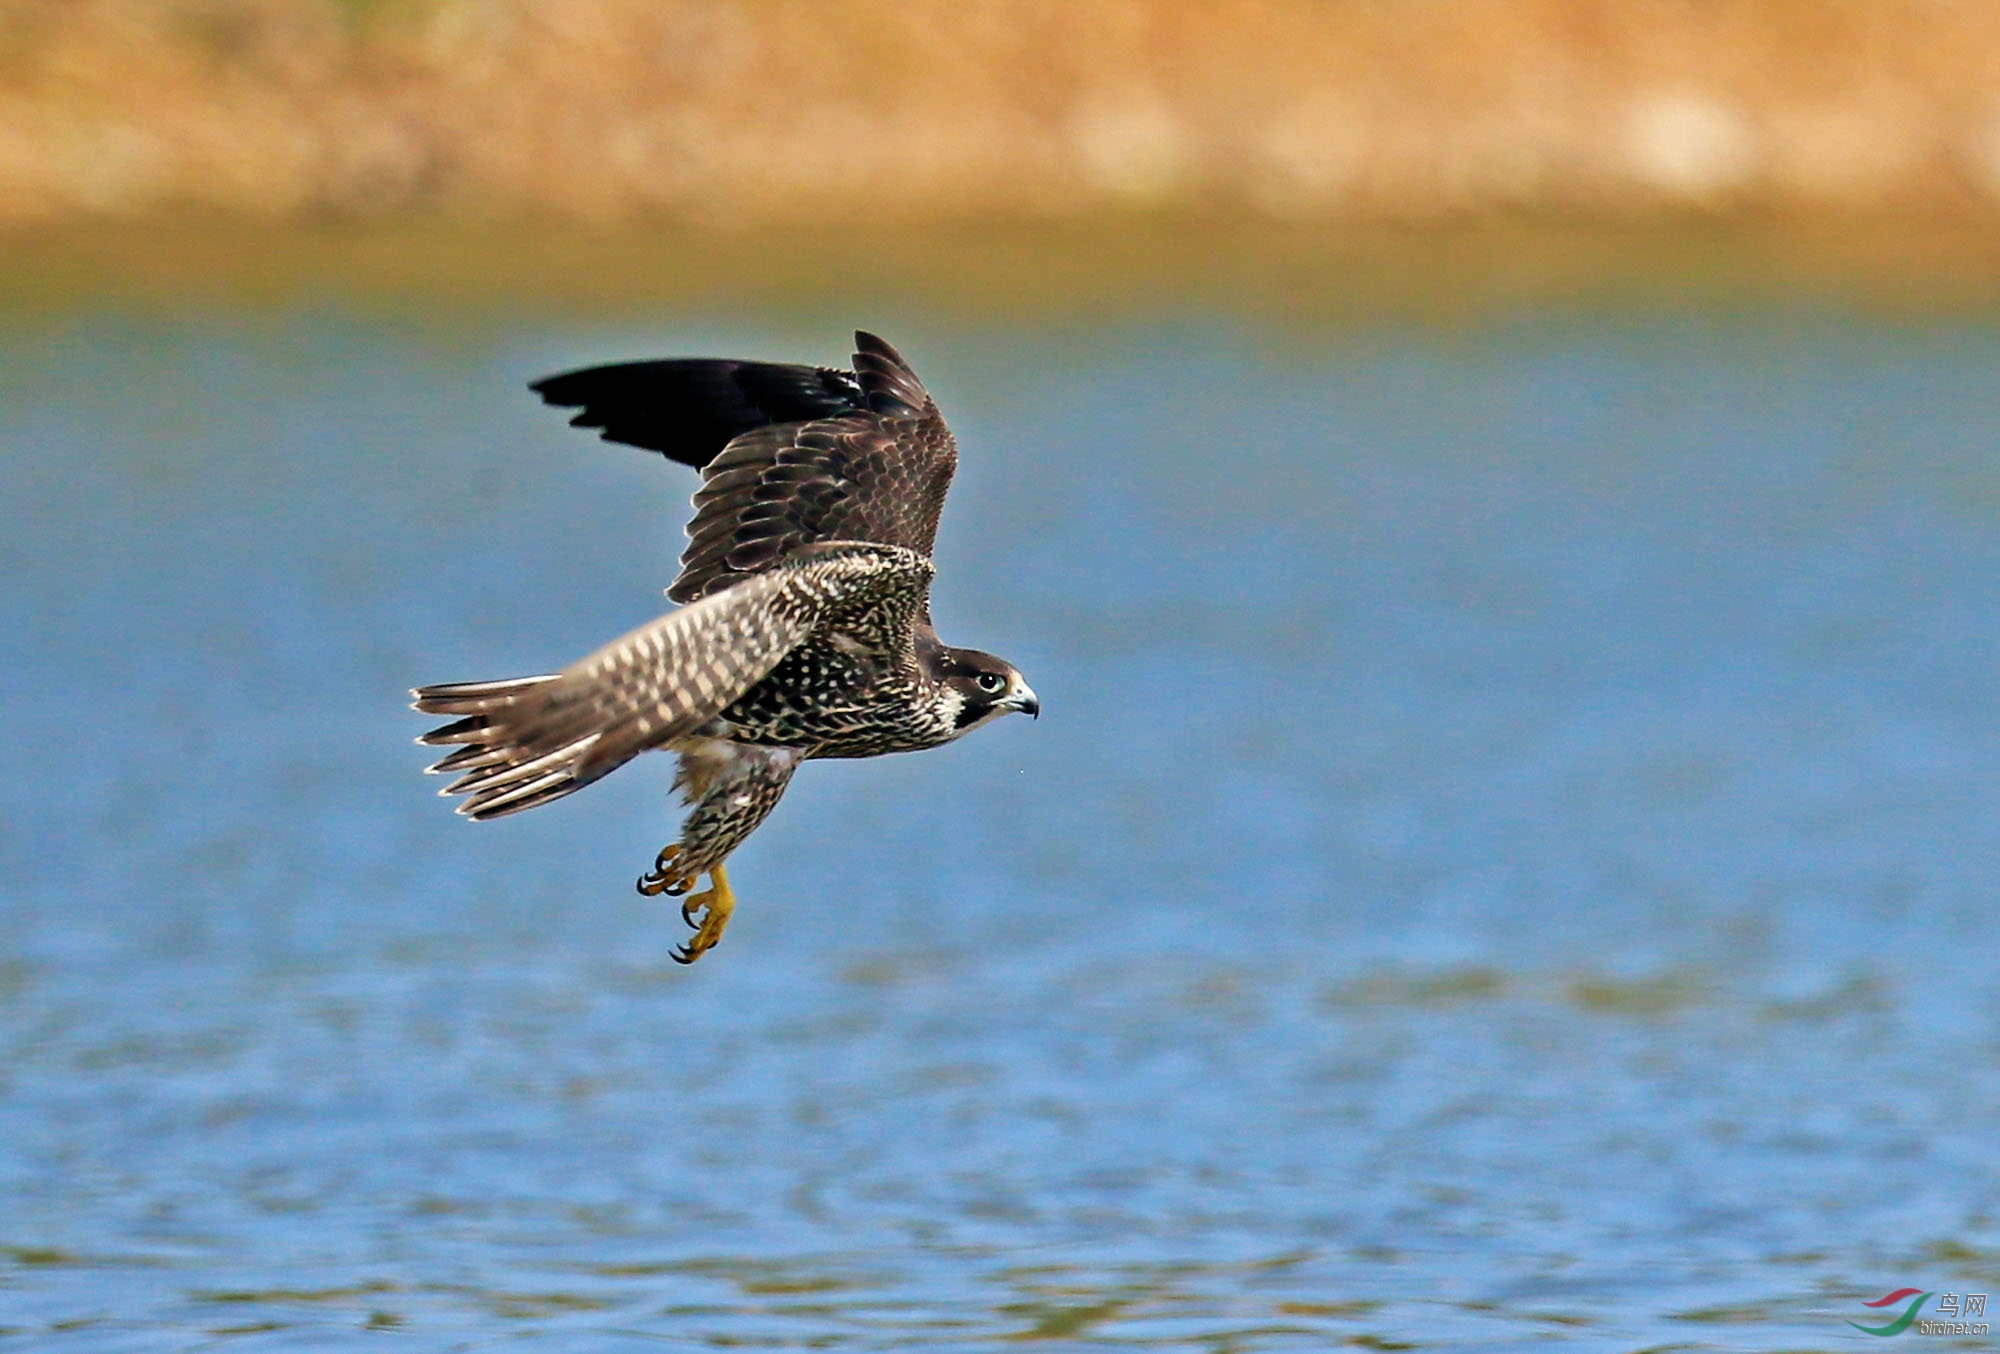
point(803, 113)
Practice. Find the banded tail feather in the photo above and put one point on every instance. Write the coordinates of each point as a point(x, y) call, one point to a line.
point(512, 753)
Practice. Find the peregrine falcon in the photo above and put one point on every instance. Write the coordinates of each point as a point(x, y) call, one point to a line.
point(804, 626)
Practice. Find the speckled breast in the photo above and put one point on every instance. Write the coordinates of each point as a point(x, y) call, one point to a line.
point(838, 700)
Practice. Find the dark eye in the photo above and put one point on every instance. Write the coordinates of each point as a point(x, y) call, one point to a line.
point(992, 683)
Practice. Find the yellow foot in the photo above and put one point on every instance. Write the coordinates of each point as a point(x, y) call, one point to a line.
point(664, 878)
point(719, 902)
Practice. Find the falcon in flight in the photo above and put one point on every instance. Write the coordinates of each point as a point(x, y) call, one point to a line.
point(804, 627)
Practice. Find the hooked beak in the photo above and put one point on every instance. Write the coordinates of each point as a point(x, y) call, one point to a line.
point(1026, 701)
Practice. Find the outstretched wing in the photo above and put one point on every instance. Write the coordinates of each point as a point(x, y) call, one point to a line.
point(868, 461)
point(690, 408)
point(529, 740)
point(876, 475)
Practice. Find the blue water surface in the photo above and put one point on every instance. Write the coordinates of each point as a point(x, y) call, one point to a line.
point(1507, 858)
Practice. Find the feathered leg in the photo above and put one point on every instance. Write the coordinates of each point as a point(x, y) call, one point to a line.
point(732, 786)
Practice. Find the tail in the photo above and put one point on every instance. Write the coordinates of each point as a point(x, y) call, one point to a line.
point(519, 746)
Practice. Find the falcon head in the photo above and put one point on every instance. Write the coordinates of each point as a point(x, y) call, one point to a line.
point(980, 688)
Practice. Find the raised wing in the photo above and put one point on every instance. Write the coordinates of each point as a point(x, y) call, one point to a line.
point(526, 741)
point(690, 408)
point(878, 474)
point(789, 455)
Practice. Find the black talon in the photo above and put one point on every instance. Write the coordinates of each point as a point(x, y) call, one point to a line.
point(688, 910)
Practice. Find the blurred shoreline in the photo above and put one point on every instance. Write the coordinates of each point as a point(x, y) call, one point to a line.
point(781, 115)
point(1330, 276)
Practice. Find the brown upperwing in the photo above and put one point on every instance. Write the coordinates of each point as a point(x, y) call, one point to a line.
point(790, 455)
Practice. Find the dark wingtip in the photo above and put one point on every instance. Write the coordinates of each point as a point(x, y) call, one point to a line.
point(865, 342)
point(550, 388)
point(690, 408)
point(886, 378)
